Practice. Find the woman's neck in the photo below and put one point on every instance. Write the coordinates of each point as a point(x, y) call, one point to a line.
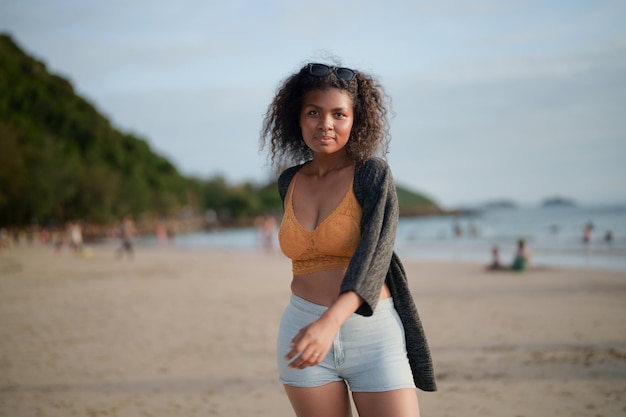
point(322, 165)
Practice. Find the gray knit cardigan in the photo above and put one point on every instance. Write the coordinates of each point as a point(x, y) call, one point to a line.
point(374, 260)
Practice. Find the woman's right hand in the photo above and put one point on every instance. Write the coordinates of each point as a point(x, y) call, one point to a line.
point(312, 343)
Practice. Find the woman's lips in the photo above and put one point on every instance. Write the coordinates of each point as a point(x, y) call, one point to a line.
point(325, 139)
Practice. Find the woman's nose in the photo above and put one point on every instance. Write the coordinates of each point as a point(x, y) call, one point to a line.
point(326, 122)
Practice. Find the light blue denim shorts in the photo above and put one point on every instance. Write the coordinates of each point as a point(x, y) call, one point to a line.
point(369, 353)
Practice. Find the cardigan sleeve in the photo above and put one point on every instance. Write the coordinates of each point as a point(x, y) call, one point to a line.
point(366, 273)
point(284, 179)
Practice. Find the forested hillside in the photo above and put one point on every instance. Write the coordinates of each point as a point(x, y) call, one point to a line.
point(60, 160)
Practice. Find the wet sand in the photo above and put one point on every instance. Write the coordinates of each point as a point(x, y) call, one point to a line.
point(178, 332)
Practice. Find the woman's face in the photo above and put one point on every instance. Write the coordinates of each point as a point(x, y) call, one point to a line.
point(326, 120)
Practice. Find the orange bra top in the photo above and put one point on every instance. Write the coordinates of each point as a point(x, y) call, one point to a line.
point(330, 245)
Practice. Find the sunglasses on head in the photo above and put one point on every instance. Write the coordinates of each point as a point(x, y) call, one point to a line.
point(321, 70)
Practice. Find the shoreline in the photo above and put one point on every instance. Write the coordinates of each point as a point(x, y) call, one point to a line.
point(600, 260)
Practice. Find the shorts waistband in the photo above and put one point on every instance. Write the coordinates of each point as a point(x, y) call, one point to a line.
point(385, 304)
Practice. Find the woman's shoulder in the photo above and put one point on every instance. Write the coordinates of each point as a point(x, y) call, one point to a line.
point(288, 173)
point(285, 177)
point(371, 178)
point(372, 169)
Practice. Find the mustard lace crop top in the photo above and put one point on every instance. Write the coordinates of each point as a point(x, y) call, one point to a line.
point(330, 245)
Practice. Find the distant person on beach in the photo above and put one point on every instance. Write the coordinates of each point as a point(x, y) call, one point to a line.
point(473, 230)
point(521, 260)
point(495, 260)
point(587, 231)
point(266, 226)
point(458, 232)
point(351, 321)
point(127, 235)
point(171, 234)
point(4, 239)
point(161, 234)
point(76, 237)
point(59, 240)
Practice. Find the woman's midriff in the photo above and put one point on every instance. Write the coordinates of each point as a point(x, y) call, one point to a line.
point(323, 287)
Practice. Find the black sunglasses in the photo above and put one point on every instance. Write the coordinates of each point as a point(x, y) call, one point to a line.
point(321, 70)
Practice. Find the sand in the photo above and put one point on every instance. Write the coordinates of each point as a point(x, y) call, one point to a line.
point(177, 332)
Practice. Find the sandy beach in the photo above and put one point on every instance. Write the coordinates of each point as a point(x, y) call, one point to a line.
point(178, 332)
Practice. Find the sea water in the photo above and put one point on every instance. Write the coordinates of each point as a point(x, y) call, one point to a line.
point(554, 236)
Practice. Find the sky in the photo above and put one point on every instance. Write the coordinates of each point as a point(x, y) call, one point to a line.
point(519, 100)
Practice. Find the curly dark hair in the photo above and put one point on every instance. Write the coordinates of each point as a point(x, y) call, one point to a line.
point(370, 129)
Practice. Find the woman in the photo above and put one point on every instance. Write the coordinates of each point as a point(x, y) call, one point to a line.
point(351, 321)
point(522, 257)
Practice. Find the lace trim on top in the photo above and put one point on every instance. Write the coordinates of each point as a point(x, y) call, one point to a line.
point(330, 245)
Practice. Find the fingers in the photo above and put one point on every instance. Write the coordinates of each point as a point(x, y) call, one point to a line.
point(310, 345)
point(295, 348)
point(304, 353)
point(308, 357)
